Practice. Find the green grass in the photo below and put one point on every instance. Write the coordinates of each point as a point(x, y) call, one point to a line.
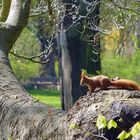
point(49, 97)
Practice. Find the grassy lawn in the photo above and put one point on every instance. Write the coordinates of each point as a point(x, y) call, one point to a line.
point(50, 97)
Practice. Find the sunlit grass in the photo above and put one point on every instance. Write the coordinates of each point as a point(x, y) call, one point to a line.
point(50, 97)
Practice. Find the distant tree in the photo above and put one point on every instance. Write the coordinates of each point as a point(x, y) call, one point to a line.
point(73, 50)
point(70, 56)
point(137, 33)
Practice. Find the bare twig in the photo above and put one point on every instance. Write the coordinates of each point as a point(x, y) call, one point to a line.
point(125, 8)
point(29, 58)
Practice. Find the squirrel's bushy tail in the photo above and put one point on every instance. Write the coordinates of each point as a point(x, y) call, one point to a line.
point(125, 84)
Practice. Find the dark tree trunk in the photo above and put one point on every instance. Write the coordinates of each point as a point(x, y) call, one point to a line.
point(92, 60)
point(70, 61)
point(75, 52)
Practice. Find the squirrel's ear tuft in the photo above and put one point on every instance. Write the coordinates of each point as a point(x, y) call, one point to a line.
point(83, 72)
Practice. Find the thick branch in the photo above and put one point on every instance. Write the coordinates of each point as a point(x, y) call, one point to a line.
point(22, 117)
point(19, 12)
point(5, 10)
point(16, 21)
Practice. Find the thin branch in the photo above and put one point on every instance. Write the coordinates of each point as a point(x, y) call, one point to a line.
point(29, 58)
point(125, 8)
point(91, 134)
point(46, 53)
point(38, 11)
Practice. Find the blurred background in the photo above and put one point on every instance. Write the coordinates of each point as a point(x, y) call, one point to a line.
point(108, 31)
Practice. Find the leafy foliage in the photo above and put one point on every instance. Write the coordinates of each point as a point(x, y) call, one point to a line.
point(118, 14)
point(134, 132)
point(123, 67)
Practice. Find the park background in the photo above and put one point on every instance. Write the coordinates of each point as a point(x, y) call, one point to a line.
point(119, 52)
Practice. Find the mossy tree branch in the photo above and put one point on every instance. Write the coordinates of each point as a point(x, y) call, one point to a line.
point(16, 20)
point(5, 10)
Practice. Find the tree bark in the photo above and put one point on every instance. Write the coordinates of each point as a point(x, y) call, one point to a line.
point(22, 117)
point(119, 105)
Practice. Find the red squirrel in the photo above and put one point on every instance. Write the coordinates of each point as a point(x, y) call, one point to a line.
point(92, 83)
point(104, 82)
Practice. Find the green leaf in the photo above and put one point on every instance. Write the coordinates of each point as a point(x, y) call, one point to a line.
point(101, 122)
point(137, 125)
point(88, 134)
point(10, 138)
point(122, 135)
point(73, 126)
point(135, 130)
point(111, 124)
point(84, 72)
point(127, 135)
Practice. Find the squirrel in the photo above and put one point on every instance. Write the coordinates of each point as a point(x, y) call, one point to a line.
point(92, 83)
point(104, 82)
